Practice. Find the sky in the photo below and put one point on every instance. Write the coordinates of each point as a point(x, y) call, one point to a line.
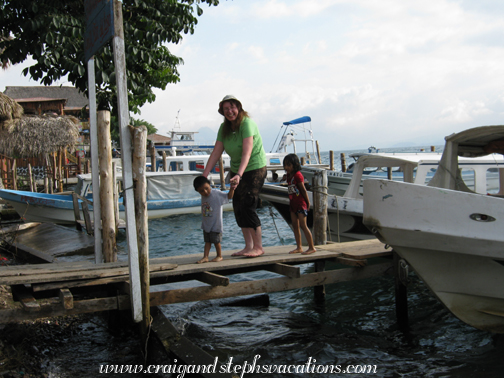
point(384, 73)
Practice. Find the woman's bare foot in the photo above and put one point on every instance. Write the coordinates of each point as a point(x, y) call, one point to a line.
point(254, 253)
point(297, 250)
point(203, 260)
point(216, 259)
point(242, 252)
point(309, 251)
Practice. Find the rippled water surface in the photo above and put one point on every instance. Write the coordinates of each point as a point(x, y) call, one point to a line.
point(355, 325)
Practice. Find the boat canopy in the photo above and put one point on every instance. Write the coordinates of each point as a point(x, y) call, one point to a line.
point(298, 120)
point(477, 141)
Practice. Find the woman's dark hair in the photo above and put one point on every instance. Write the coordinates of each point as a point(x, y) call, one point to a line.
point(293, 160)
point(200, 181)
point(228, 125)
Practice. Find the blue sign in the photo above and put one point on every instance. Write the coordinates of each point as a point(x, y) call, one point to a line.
point(99, 25)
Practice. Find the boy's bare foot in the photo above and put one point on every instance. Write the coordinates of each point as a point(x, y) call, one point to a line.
point(297, 250)
point(309, 251)
point(203, 260)
point(216, 259)
point(242, 252)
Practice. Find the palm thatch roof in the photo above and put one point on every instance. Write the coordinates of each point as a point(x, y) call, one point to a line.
point(9, 110)
point(33, 136)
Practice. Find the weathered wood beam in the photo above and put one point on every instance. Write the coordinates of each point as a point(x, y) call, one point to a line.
point(352, 262)
point(267, 285)
point(66, 299)
point(181, 347)
point(51, 308)
point(25, 297)
point(212, 279)
point(285, 270)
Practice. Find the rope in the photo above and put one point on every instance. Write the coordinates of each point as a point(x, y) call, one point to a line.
point(273, 217)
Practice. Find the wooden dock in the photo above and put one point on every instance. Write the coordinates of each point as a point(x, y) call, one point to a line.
point(56, 289)
point(48, 241)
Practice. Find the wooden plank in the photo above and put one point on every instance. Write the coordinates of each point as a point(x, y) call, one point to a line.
point(48, 240)
point(25, 297)
point(87, 219)
point(180, 346)
point(17, 227)
point(75, 201)
point(52, 308)
point(352, 262)
point(66, 299)
point(285, 270)
point(121, 224)
point(361, 249)
point(75, 275)
point(266, 285)
point(213, 279)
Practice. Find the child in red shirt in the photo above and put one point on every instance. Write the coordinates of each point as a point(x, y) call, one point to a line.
point(299, 203)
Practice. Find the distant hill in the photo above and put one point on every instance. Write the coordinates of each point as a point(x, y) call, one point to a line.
point(206, 135)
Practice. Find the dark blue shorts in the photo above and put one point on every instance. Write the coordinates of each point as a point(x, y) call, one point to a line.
point(212, 237)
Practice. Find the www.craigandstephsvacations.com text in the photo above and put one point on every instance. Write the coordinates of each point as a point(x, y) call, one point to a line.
point(310, 367)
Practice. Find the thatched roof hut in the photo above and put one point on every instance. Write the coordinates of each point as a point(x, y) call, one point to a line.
point(9, 110)
point(33, 136)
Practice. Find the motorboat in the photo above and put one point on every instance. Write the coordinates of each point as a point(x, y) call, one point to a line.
point(168, 193)
point(345, 211)
point(450, 234)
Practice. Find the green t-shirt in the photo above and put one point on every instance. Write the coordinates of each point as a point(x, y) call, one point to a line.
point(233, 145)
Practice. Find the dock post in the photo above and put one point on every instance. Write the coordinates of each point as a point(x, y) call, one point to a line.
point(30, 178)
point(331, 160)
point(318, 152)
point(343, 162)
point(152, 150)
point(165, 164)
point(319, 189)
point(221, 174)
point(401, 291)
point(107, 228)
point(139, 136)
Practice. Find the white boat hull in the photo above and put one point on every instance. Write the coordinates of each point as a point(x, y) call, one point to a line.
point(59, 208)
point(344, 214)
point(452, 239)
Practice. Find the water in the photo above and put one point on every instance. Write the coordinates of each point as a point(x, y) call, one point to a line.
point(355, 325)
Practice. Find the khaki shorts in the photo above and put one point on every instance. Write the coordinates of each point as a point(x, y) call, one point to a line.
point(212, 237)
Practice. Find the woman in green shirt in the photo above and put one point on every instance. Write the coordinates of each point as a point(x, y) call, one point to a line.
point(239, 137)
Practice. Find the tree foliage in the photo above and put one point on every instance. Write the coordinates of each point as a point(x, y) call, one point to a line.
point(52, 33)
point(114, 127)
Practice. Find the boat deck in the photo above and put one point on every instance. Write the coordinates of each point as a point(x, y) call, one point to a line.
point(68, 288)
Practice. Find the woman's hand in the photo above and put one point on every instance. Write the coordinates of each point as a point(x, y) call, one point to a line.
point(235, 180)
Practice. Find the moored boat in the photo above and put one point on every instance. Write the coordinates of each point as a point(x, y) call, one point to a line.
point(450, 235)
point(345, 211)
point(168, 193)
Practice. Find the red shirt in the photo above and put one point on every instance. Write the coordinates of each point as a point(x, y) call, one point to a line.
point(297, 201)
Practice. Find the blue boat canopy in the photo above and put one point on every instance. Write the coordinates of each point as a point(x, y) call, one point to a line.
point(298, 120)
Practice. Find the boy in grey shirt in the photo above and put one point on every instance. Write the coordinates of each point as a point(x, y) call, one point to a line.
point(211, 210)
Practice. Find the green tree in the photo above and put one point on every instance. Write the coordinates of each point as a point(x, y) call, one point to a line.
point(52, 33)
point(114, 127)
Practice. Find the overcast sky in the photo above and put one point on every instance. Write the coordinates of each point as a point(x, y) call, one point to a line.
point(382, 73)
